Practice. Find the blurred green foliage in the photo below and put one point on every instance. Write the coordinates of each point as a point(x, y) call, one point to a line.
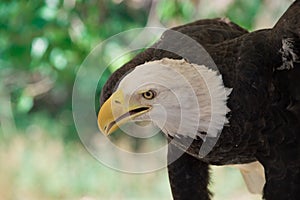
point(180, 10)
point(246, 12)
point(43, 43)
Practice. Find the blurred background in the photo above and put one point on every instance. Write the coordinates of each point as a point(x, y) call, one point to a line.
point(42, 45)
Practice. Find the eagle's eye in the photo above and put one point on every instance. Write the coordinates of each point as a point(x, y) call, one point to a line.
point(150, 94)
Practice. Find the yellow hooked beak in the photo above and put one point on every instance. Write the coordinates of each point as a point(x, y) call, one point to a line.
point(115, 113)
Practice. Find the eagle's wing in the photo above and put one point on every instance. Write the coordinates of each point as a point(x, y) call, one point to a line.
point(211, 31)
point(263, 68)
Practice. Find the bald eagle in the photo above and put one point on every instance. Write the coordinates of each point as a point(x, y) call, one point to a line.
point(248, 98)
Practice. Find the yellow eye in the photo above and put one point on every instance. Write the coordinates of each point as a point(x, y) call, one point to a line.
point(150, 94)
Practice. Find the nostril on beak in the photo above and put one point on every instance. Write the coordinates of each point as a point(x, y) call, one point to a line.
point(117, 102)
point(105, 127)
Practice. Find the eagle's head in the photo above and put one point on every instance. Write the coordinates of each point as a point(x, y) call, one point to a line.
point(176, 96)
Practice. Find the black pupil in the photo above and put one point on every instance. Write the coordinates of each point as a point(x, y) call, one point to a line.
point(148, 95)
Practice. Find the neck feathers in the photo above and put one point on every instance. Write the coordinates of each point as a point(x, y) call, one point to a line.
point(211, 93)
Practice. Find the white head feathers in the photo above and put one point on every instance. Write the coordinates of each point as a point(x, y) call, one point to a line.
point(190, 98)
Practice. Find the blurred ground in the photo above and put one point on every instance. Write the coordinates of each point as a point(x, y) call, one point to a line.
point(42, 45)
point(39, 167)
